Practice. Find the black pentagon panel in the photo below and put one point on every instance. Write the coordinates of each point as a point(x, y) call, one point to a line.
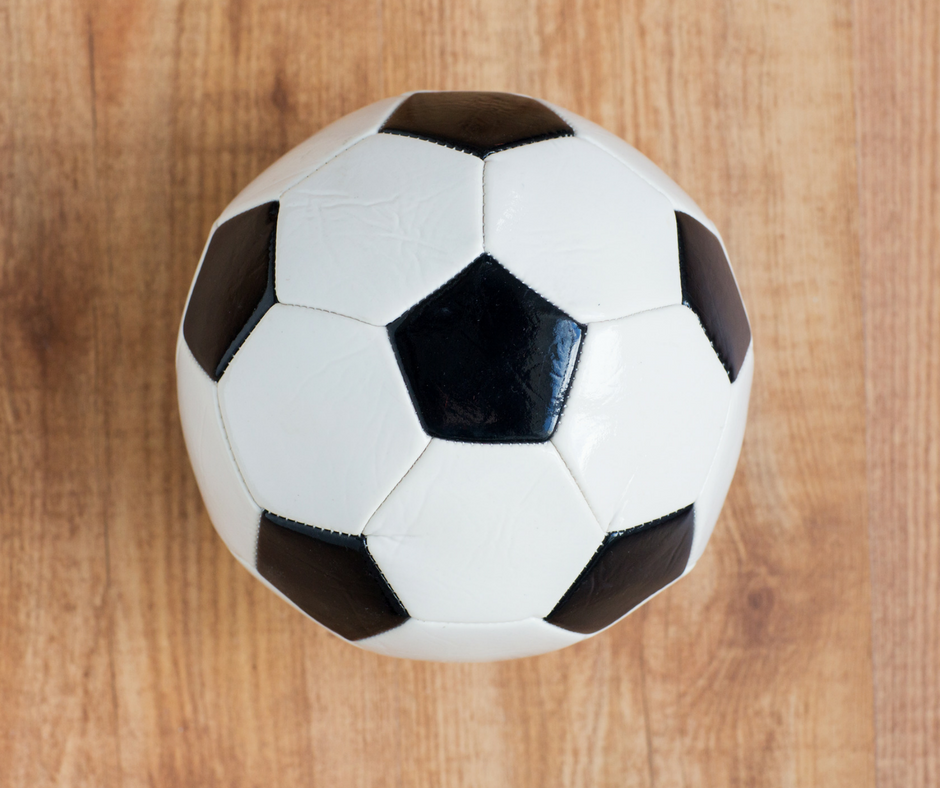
point(476, 122)
point(330, 576)
point(486, 358)
point(234, 289)
point(629, 567)
point(709, 290)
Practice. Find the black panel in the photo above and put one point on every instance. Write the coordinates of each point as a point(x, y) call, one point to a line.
point(234, 289)
point(709, 290)
point(629, 567)
point(486, 358)
point(476, 122)
point(330, 576)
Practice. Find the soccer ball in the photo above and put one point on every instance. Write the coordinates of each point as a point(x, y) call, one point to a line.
point(464, 377)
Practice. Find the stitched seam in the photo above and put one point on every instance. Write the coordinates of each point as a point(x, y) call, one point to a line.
point(479, 152)
point(641, 312)
point(633, 170)
point(394, 487)
point(232, 453)
point(562, 114)
point(238, 470)
point(480, 623)
point(309, 525)
point(251, 324)
point(217, 406)
point(672, 204)
point(469, 441)
point(202, 257)
point(552, 135)
point(570, 382)
point(609, 538)
point(483, 209)
point(576, 583)
point(580, 490)
point(442, 143)
point(355, 537)
point(388, 585)
point(375, 130)
point(320, 166)
point(650, 524)
point(330, 312)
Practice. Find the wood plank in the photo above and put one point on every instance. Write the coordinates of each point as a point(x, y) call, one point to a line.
point(217, 681)
point(898, 93)
point(58, 701)
point(755, 670)
point(135, 651)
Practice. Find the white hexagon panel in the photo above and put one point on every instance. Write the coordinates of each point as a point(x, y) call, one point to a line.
point(329, 389)
point(460, 542)
point(464, 377)
point(379, 227)
point(582, 229)
point(633, 464)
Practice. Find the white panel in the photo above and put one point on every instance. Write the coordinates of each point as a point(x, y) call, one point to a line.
point(432, 640)
point(637, 162)
point(232, 511)
point(318, 417)
point(710, 499)
point(379, 227)
point(581, 229)
point(479, 533)
point(299, 162)
point(644, 416)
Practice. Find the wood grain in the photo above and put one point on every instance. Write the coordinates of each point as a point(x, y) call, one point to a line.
point(898, 55)
point(135, 651)
point(59, 718)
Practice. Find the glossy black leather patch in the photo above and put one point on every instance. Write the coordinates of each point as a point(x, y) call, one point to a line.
point(709, 290)
point(476, 122)
point(330, 576)
point(486, 358)
point(629, 567)
point(234, 289)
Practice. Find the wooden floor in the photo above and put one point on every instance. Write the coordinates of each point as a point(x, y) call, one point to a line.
point(805, 648)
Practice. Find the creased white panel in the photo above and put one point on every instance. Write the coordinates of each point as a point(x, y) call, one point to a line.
point(380, 227)
point(232, 511)
point(712, 497)
point(644, 416)
point(318, 417)
point(299, 162)
point(432, 640)
point(640, 164)
point(581, 229)
point(479, 533)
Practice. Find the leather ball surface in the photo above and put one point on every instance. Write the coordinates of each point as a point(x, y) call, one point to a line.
point(464, 377)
